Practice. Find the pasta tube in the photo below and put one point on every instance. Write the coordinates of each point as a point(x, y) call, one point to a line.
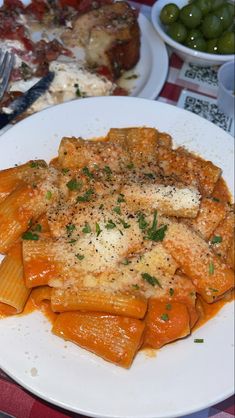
point(210, 275)
point(13, 291)
point(10, 178)
point(114, 338)
point(99, 301)
point(211, 213)
point(18, 209)
point(165, 322)
point(189, 168)
point(140, 142)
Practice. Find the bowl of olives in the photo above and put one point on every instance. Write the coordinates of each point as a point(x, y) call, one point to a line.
point(199, 31)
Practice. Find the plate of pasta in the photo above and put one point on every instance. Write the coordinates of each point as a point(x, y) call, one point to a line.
point(117, 271)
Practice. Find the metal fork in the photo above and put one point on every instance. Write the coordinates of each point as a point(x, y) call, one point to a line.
point(6, 64)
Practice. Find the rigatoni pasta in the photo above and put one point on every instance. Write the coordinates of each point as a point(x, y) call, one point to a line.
point(13, 290)
point(122, 237)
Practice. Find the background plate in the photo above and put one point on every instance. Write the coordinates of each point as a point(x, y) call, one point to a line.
point(152, 67)
point(183, 377)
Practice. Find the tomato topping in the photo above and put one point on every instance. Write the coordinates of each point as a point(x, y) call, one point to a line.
point(13, 5)
point(119, 91)
point(38, 8)
point(105, 71)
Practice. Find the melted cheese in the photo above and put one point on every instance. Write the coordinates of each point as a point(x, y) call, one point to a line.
point(72, 81)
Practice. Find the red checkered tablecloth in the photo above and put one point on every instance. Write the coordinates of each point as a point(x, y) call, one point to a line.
point(192, 88)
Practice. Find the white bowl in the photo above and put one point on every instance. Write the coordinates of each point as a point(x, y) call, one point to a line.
point(187, 54)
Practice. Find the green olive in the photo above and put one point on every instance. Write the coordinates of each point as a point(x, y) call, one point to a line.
point(231, 8)
point(204, 6)
point(212, 26)
point(226, 43)
point(191, 16)
point(169, 13)
point(215, 4)
point(223, 13)
point(193, 34)
point(199, 44)
point(212, 47)
point(177, 31)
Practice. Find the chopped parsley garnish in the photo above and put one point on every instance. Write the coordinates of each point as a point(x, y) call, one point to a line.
point(36, 164)
point(211, 268)
point(73, 184)
point(120, 198)
point(142, 221)
point(101, 206)
point(78, 93)
point(126, 262)
point(28, 235)
point(72, 241)
point(79, 256)
point(151, 279)
point(155, 234)
point(124, 224)
point(130, 166)
point(117, 210)
point(70, 228)
point(86, 197)
point(98, 229)
point(86, 229)
point(48, 195)
point(110, 224)
point(216, 239)
point(165, 317)
point(199, 340)
point(215, 199)
point(168, 306)
point(65, 170)
point(213, 290)
point(171, 291)
point(131, 77)
point(149, 175)
point(87, 172)
point(108, 171)
point(135, 286)
point(25, 71)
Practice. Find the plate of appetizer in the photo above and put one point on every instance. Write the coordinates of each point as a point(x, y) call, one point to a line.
point(116, 280)
point(94, 49)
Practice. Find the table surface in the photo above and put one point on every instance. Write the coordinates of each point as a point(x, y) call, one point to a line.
point(189, 87)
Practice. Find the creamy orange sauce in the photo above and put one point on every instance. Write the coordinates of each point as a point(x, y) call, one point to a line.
point(6, 310)
point(208, 311)
point(221, 191)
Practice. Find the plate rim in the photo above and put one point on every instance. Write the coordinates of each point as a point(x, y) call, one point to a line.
point(149, 32)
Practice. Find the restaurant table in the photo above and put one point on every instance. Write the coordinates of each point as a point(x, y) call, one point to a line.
point(192, 88)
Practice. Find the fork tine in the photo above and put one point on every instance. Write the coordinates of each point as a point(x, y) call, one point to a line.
point(5, 71)
point(3, 64)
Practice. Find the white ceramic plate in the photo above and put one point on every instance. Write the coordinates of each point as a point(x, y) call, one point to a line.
point(183, 377)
